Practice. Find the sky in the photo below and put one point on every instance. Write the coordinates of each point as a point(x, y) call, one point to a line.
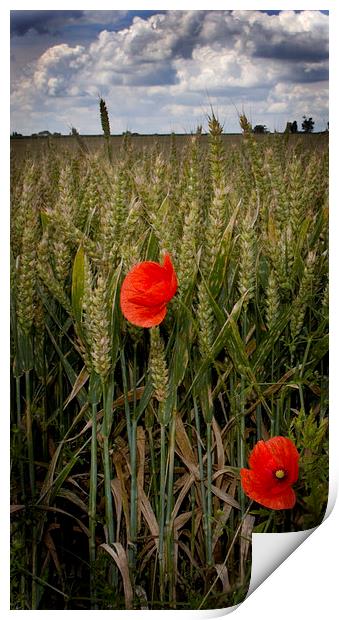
point(163, 71)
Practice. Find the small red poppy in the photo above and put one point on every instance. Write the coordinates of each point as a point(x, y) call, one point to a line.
point(146, 291)
point(273, 470)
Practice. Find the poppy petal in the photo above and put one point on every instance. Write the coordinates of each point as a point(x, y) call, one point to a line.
point(143, 316)
point(146, 290)
point(260, 482)
point(283, 498)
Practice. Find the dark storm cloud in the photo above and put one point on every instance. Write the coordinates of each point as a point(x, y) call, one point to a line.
point(41, 21)
point(54, 22)
point(296, 48)
point(191, 33)
point(300, 75)
point(161, 77)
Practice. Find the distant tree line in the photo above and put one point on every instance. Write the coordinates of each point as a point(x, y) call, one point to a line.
point(40, 134)
point(291, 127)
point(307, 125)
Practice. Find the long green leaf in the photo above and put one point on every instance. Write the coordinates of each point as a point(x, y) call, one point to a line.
point(78, 283)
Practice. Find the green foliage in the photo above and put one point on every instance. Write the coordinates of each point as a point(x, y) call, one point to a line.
point(309, 432)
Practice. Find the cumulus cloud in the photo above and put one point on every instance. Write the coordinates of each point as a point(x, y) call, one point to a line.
point(174, 62)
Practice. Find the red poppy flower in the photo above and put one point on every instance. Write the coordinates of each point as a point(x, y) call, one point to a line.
point(273, 470)
point(146, 291)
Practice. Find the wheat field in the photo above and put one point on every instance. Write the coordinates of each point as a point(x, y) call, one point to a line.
point(127, 442)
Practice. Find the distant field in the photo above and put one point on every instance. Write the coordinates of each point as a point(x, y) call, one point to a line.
point(29, 146)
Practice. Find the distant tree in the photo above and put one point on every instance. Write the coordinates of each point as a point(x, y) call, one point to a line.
point(56, 133)
point(307, 124)
point(260, 129)
point(73, 132)
point(291, 127)
point(15, 134)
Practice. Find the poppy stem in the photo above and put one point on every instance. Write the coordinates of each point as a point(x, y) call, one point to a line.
point(258, 421)
point(276, 425)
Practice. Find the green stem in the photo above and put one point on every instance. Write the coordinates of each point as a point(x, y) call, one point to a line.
point(132, 421)
point(277, 419)
point(154, 475)
point(93, 504)
point(162, 491)
point(134, 494)
point(30, 449)
point(18, 421)
point(60, 393)
point(242, 448)
point(242, 442)
point(272, 397)
point(44, 413)
point(127, 409)
point(107, 391)
point(29, 433)
point(258, 421)
point(209, 493)
point(170, 480)
point(169, 529)
point(201, 466)
point(193, 532)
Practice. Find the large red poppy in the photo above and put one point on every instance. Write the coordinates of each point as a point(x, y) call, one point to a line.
point(146, 291)
point(273, 470)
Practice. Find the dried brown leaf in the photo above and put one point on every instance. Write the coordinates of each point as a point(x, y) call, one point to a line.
point(184, 448)
point(223, 576)
point(148, 514)
point(118, 553)
point(186, 487)
point(245, 541)
point(228, 499)
point(49, 542)
point(117, 459)
point(78, 384)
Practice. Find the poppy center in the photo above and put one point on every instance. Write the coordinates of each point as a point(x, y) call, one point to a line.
point(280, 474)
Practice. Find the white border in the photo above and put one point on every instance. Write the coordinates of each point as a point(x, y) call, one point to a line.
point(305, 584)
